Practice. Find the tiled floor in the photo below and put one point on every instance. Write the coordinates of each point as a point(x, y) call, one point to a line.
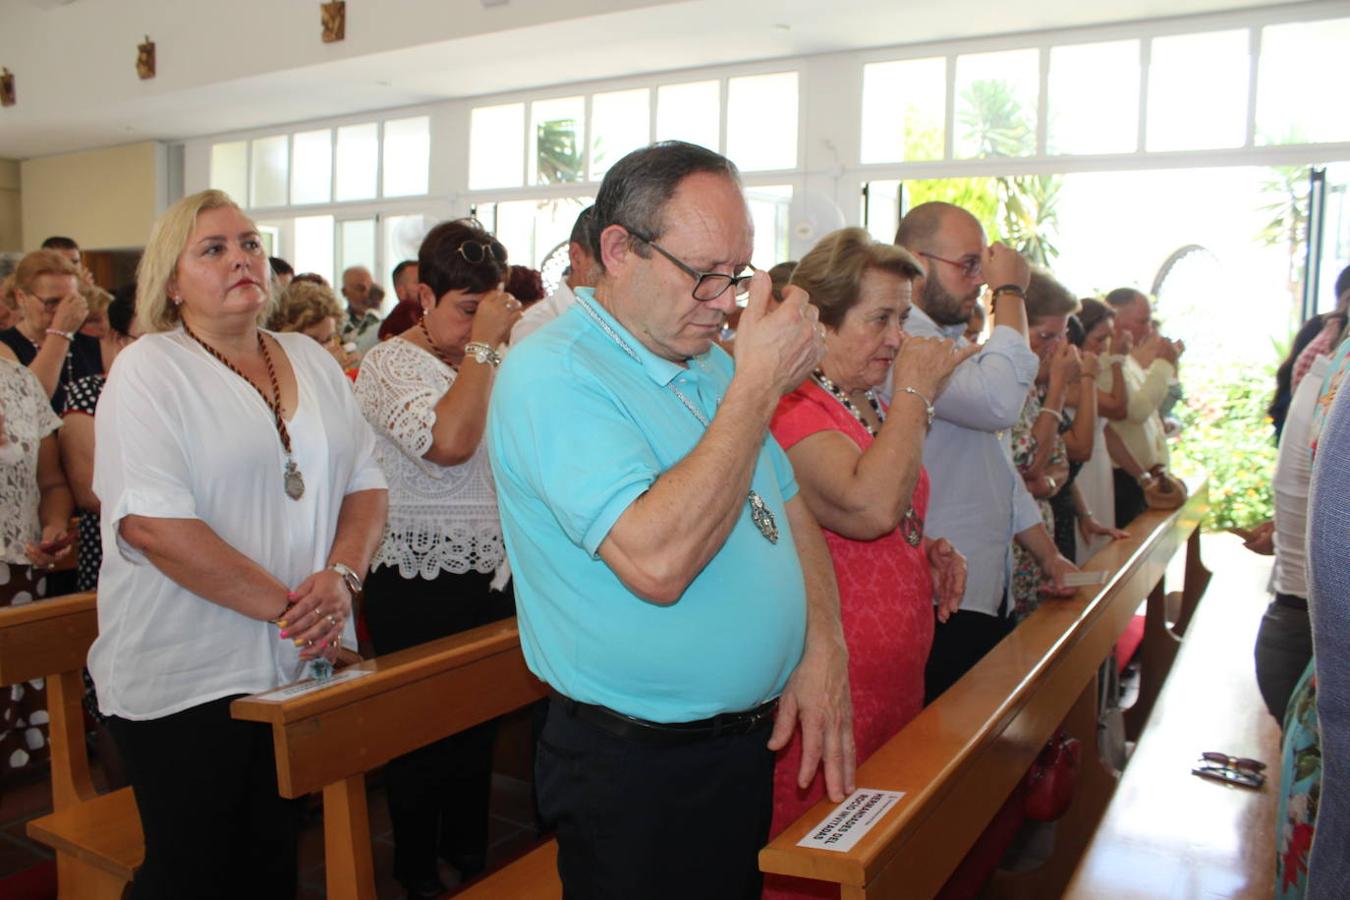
point(511, 831)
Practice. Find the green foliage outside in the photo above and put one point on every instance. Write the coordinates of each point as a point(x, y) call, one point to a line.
point(1227, 434)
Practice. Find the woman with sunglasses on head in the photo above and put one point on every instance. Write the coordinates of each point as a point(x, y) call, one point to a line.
point(426, 394)
point(46, 338)
point(860, 469)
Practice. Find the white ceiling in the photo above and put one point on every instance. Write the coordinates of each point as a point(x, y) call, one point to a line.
point(252, 63)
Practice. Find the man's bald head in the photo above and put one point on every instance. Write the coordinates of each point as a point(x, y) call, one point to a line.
point(356, 285)
point(921, 227)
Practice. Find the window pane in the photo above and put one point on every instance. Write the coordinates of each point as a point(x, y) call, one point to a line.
point(620, 123)
point(229, 170)
point(402, 237)
point(530, 229)
point(883, 210)
point(312, 163)
point(407, 156)
point(769, 206)
point(314, 246)
point(904, 106)
point(496, 146)
point(996, 103)
point(267, 181)
point(1294, 58)
point(1094, 98)
point(762, 121)
point(356, 247)
point(358, 161)
point(556, 129)
point(1197, 91)
point(690, 112)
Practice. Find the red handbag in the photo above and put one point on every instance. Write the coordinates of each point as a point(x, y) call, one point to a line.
point(1052, 777)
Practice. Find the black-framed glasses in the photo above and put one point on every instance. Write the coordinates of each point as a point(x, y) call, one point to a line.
point(707, 285)
point(970, 266)
point(476, 252)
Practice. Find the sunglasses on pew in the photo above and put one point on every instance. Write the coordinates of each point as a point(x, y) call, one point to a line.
point(1241, 763)
point(1227, 775)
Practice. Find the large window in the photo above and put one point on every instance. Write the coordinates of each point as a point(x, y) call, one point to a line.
point(904, 110)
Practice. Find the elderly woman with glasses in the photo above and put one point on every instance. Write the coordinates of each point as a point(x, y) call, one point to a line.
point(46, 338)
point(426, 394)
point(860, 469)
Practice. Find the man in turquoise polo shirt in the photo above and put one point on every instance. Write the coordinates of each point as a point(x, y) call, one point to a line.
point(672, 588)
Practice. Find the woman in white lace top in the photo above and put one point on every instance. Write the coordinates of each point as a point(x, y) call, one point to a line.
point(426, 394)
point(35, 507)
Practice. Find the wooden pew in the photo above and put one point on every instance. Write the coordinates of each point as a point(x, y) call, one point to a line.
point(328, 738)
point(97, 837)
point(962, 756)
point(1166, 832)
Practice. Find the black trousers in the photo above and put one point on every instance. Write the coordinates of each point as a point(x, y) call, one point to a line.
point(438, 794)
point(1129, 498)
point(958, 644)
point(206, 790)
point(638, 820)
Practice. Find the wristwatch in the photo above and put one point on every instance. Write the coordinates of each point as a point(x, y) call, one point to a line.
point(482, 353)
point(348, 577)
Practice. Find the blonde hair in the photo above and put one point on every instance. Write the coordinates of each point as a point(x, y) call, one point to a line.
point(97, 298)
point(7, 293)
point(154, 310)
point(833, 270)
point(305, 304)
point(38, 263)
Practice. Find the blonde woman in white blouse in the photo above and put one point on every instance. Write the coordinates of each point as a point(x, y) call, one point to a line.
point(426, 394)
point(240, 505)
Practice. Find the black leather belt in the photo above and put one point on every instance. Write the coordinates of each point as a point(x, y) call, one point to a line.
point(1290, 601)
point(668, 733)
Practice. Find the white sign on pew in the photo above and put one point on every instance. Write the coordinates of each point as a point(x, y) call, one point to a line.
point(849, 821)
point(305, 687)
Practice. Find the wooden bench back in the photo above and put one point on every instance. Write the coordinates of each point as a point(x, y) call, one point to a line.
point(327, 739)
point(50, 639)
point(960, 758)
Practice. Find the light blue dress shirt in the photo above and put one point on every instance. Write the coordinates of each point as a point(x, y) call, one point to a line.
point(578, 430)
point(978, 500)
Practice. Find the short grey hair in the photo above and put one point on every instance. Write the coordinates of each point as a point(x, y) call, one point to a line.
point(637, 188)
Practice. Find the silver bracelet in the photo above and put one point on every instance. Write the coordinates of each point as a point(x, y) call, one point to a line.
point(1059, 417)
point(927, 404)
point(482, 353)
point(348, 577)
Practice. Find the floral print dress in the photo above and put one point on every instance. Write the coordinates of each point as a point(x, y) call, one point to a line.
point(1301, 778)
point(1027, 575)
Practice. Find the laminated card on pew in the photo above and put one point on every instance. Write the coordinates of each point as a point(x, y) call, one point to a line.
point(849, 821)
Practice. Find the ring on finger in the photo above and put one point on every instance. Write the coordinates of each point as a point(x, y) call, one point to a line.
point(332, 620)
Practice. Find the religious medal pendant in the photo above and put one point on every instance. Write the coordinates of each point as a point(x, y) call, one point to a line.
point(762, 516)
point(295, 482)
point(911, 526)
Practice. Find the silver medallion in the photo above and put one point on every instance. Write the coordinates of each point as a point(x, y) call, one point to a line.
point(762, 516)
point(295, 482)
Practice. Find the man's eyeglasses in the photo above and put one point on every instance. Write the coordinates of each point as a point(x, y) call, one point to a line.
point(476, 252)
point(707, 285)
point(971, 266)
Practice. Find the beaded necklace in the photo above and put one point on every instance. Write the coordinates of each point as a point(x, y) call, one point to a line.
point(760, 514)
point(911, 526)
point(292, 480)
point(435, 348)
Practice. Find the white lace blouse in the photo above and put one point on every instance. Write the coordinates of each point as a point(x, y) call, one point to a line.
point(441, 518)
point(28, 419)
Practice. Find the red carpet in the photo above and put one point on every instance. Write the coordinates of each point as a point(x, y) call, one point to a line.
point(35, 883)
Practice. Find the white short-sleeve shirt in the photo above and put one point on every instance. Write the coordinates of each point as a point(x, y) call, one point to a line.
point(180, 436)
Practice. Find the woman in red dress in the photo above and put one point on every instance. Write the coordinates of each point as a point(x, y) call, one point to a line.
point(861, 473)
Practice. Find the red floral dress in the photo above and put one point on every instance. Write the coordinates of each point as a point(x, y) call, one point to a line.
point(886, 603)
